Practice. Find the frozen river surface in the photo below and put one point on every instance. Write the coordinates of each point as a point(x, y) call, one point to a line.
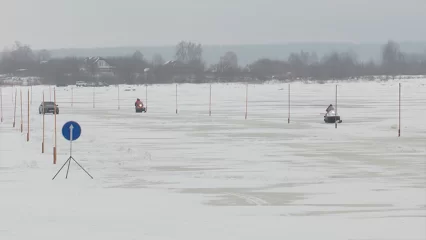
point(162, 175)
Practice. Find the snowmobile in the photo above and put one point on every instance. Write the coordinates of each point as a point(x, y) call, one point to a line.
point(332, 117)
point(140, 108)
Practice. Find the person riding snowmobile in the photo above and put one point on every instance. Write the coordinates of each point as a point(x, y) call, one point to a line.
point(139, 106)
point(138, 103)
point(329, 108)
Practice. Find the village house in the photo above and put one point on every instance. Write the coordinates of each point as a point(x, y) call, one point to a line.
point(98, 67)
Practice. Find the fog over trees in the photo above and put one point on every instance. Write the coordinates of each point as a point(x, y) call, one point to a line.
point(188, 66)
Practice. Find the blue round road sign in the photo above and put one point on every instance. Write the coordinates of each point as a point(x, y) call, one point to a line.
point(71, 127)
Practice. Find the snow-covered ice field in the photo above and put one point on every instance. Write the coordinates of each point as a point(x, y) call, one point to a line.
point(162, 175)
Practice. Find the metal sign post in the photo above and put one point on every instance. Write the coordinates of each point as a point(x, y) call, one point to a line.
point(71, 131)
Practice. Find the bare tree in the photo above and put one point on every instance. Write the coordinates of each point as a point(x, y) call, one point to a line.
point(138, 56)
point(392, 58)
point(187, 52)
point(43, 55)
point(157, 60)
point(19, 57)
point(229, 61)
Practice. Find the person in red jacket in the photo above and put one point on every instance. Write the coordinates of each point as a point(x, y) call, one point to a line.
point(139, 106)
point(139, 103)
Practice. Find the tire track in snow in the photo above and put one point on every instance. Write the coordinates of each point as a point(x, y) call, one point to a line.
point(249, 199)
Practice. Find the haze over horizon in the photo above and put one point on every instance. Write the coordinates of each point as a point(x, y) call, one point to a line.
point(53, 24)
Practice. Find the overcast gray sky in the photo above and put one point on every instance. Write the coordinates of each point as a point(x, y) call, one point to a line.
point(101, 23)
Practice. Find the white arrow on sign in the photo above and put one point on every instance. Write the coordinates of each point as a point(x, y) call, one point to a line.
point(71, 128)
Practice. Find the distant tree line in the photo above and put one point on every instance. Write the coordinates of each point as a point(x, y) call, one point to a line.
point(188, 66)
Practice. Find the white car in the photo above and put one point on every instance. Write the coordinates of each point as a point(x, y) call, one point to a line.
point(81, 84)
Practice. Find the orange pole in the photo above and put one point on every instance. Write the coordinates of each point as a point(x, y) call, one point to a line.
point(176, 100)
point(288, 120)
point(399, 112)
point(210, 103)
point(72, 96)
point(1, 104)
point(246, 100)
point(28, 134)
point(93, 97)
point(14, 112)
point(54, 106)
point(22, 121)
point(146, 97)
point(335, 113)
point(42, 142)
point(118, 96)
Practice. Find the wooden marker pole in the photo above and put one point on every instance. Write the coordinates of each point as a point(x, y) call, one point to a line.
point(50, 93)
point(1, 104)
point(210, 103)
point(335, 112)
point(28, 123)
point(22, 120)
point(399, 111)
point(72, 96)
point(54, 106)
point(118, 96)
point(14, 111)
point(93, 97)
point(176, 100)
point(42, 141)
point(146, 98)
point(288, 120)
point(246, 100)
